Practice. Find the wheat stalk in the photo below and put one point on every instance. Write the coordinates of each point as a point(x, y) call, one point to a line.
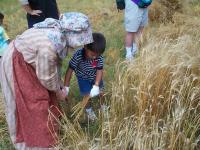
point(79, 108)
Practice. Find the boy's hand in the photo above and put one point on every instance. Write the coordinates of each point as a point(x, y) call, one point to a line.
point(66, 90)
point(94, 91)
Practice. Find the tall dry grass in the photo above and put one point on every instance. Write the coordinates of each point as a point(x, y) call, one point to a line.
point(154, 98)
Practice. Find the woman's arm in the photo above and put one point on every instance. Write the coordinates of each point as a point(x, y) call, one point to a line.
point(47, 69)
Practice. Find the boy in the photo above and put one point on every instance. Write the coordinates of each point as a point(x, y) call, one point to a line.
point(4, 40)
point(87, 63)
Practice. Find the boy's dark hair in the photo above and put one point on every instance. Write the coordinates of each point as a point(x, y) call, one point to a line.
point(99, 43)
point(1, 16)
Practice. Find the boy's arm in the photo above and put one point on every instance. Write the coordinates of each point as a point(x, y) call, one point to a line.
point(73, 63)
point(99, 73)
point(68, 76)
point(95, 89)
point(99, 76)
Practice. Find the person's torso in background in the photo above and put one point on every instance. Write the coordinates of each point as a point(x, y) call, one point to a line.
point(48, 7)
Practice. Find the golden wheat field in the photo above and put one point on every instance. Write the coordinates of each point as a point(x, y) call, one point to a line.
point(154, 99)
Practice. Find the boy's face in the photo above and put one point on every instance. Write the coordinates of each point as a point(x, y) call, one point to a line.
point(90, 54)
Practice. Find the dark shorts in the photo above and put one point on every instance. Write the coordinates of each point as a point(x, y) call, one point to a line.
point(85, 86)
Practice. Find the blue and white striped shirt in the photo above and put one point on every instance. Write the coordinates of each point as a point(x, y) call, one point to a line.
point(85, 68)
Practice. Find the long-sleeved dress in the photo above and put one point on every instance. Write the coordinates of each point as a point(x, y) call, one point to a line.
point(30, 77)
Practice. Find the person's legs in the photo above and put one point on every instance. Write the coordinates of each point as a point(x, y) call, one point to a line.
point(138, 35)
point(136, 38)
point(130, 44)
point(135, 20)
point(132, 23)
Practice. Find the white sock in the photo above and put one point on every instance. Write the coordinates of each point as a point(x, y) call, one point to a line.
point(134, 48)
point(129, 53)
point(88, 110)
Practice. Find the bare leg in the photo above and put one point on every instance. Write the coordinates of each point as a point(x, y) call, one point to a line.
point(131, 41)
point(130, 38)
point(128, 42)
point(140, 31)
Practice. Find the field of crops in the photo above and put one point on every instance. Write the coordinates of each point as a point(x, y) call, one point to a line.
point(154, 100)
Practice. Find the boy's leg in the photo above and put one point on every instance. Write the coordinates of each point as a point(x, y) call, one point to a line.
point(138, 36)
point(85, 87)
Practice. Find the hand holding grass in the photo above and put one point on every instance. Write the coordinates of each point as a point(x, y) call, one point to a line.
point(94, 91)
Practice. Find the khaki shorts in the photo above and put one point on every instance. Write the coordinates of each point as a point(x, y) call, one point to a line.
point(135, 17)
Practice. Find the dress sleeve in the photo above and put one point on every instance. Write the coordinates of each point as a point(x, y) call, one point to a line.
point(24, 2)
point(47, 68)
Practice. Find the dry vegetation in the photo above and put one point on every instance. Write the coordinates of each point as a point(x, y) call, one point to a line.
point(154, 100)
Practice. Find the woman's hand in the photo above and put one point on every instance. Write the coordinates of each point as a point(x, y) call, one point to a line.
point(61, 94)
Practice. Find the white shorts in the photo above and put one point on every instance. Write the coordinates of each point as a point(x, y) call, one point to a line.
point(135, 17)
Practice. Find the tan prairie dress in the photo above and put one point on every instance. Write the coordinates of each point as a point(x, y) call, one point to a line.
point(29, 75)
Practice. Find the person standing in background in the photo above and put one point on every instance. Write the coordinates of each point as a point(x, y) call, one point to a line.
point(39, 10)
point(136, 18)
point(4, 39)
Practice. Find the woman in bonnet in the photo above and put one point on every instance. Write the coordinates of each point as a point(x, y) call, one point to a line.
point(31, 82)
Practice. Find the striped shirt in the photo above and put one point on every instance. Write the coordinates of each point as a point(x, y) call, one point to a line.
point(39, 51)
point(85, 68)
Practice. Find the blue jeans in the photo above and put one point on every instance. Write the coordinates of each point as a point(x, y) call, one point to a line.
point(85, 86)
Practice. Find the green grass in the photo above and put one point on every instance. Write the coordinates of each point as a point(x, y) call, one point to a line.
point(5, 142)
